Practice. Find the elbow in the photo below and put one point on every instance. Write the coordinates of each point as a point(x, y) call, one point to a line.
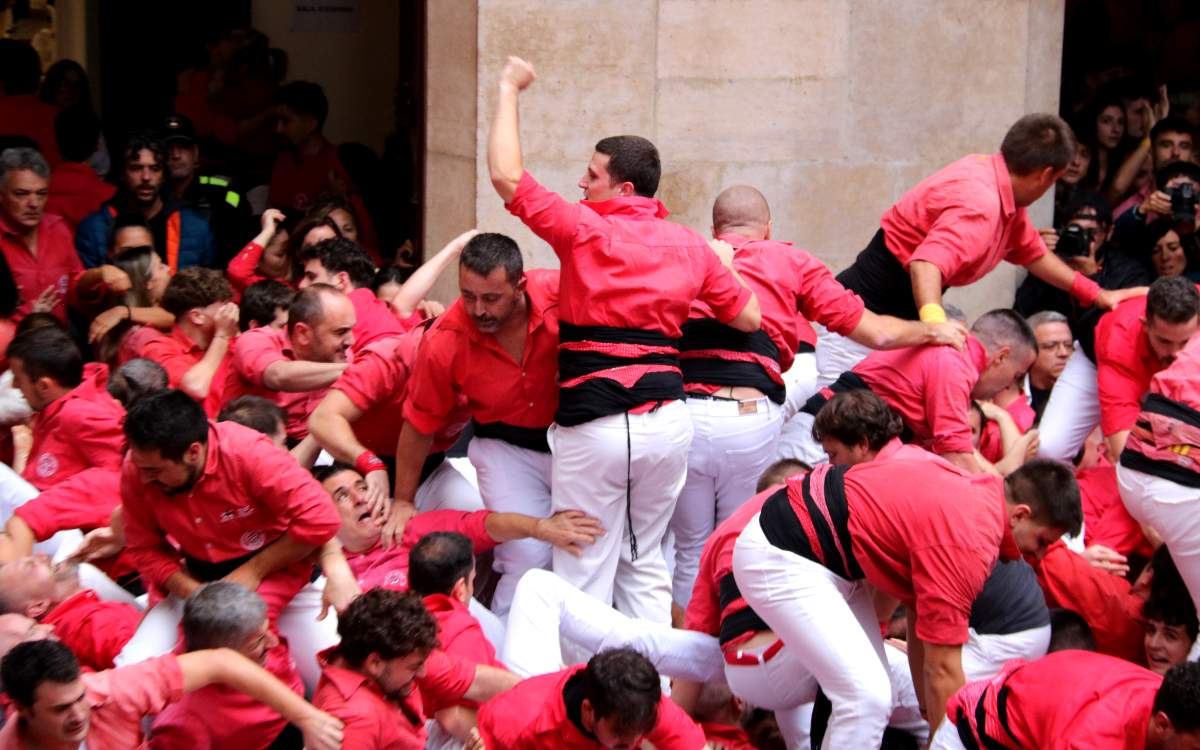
point(749, 319)
point(504, 184)
point(196, 387)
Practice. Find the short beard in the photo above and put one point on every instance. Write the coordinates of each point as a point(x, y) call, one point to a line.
point(193, 475)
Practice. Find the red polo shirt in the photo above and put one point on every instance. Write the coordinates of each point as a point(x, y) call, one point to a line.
point(27, 115)
point(1106, 521)
point(457, 361)
point(243, 269)
point(251, 354)
point(377, 383)
point(80, 430)
point(1180, 382)
point(964, 220)
point(1063, 701)
point(792, 288)
point(95, 631)
point(459, 633)
point(374, 319)
point(930, 387)
point(297, 180)
point(76, 191)
point(726, 736)
point(244, 722)
point(1105, 601)
point(371, 721)
point(388, 568)
point(249, 494)
point(533, 715)
point(54, 265)
point(177, 354)
point(927, 534)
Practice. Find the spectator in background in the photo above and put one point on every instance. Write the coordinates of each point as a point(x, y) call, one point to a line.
point(1055, 345)
point(308, 165)
point(120, 331)
point(267, 256)
point(265, 303)
point(1072, 180)
point(181, 238)
point(350, 217)
point(1171, 252)
point(75, 188)
point(1106, 118)
point(1171, 139)
point(1082, 243)
point(22, 113)
point(65, 86)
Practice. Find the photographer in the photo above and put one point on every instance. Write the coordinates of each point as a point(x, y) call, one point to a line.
point(1179, 184)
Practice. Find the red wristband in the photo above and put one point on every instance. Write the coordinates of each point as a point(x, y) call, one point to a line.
point(1084, 289)
point(368, 462)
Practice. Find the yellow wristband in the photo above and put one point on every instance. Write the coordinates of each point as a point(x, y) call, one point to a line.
point(932, 313)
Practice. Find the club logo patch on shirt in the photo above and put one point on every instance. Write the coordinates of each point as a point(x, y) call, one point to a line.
point(235, 513)
point(47, 465)
point(395, 580)
point(253, 540)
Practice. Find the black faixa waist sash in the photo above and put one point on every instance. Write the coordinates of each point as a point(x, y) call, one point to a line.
point(205, 571)
point(743, 620)
point(820, 531)
point(585, 395)
point(1143, 453)
point(529, 438)
point(713, 353)
point(847, 381)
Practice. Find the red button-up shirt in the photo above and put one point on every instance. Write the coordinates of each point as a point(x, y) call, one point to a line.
point(388, 568)
point(374, 319)
point(54, 265)
point(1181, 381)
point(28, 115)
point(459, 633)
point(80, 430)
point(533, 715)
point(1124, 365)
point(76, 191)
point(930, 387)
point(177, 354)
point(95, 631)
point(1067, 700)
point(705, 612)
point(249, 494)
point(371, 721)
point(456, 361)
point(249, 357)
point(964, 220)
point(119, 700)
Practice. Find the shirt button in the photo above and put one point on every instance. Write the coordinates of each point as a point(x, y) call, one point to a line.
point(207, 545)
point(199, 520)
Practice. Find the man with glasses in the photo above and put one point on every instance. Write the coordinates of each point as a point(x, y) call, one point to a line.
point(1055, 345)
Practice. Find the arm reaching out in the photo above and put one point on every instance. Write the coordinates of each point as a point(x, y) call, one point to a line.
point(504, 143)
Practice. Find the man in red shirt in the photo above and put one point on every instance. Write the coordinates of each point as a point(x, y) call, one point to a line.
point(918, 531)
point(235, 507)
point(387, 675)
point(78, 424)
point(1111, 368)
point(627, 282)
point(931, 387)
point(496, 347)
point(52, 594)
point(615, 700)
point(294, 367)
point(310, 166)
point(206, 321)
point(75, 188)
point(956, 225)
point(225, 615)
point(343, 264)
point(1076, 699)
point(734, 380)
point(37, 245)
point(57, 706)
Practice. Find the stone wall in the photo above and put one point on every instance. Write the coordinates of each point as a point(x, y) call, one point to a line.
point(833, 108)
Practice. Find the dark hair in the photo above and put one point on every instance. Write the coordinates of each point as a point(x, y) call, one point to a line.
point(304, 98)
point(20, 68)
point(1172, 300)
point(143, 140)
point(1004, 327)
point(390, 623)
point(308, 305)
point(622, 685)
point(1038, 141)
point(634, 159)
point(321, 473)
point(124, 220)
point(169, 421)
point(327, 203)
point(1049, 488)
point(854, 416)
point(257, 413)
point(438, 561)
point(301, 229)
point(1088, 204)
point(31, 663)
point(1069, 631)
point(1177, 169)
point(1158, 229)
point(47, 352)
point(391, 275)
point(136, 379)
point(1179, 696)
point(1171, 124)
point(1169, 599)
point(56, 76)
point(36, 320)
point(77, 132)
point(195, 287)
point(261, 299)
point(341, 255)
point(779, 471)
point(487, 251)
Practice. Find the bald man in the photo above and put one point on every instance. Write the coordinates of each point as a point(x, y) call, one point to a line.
point(734, 380)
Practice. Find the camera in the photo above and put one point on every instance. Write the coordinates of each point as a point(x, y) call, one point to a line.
point(1183, 207)
point(1073, 241)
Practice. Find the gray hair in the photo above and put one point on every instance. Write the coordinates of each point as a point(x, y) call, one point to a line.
point(1046, 316)
point(1004, 327)
point(221, 614)
point(20, 159)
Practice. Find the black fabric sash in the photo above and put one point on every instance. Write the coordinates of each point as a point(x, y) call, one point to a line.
point(783, 528)
point(711, 334)
point(847, 381)
point(529, 438)
point(602, 397)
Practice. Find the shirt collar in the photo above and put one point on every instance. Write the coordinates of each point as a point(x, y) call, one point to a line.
point(630, 206)
point(212, 452)
point(183, 339)
point(554, 718)
point(346, 681)
point(1008, 204)
point(889, 450)
point(442, 603)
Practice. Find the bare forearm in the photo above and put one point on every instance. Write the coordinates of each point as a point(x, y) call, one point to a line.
point(417, 287)
point(306, 451)
point(965, 461)
point(181, 584)
point(332, 424)
point(926, 281)
point(941, 682)
point(411, 449)
point(297, 376)
point(490, 682)
point(197, 381)
point(506, 527)
point(227, 667)
point(504, 144)
point(1128, 171)
point(1052, 270)
point(275, 556)
point(887, 332)
point(155, 317)
point(1116, 443)
point(16, 541)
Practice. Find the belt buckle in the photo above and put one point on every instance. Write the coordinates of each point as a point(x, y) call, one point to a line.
point(748, 407)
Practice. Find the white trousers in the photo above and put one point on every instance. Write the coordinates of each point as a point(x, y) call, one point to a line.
point(15, 492)
point(1072, 412)
point(1172, 510)
point(547, 610)
point(513, 480)
point(836, 354)
point(794, 436)
point(782, 684)
point(626, 470)
point(946, 738)
point(730, 451)
point(830, 624)
point(159, 633)
point(447, 488)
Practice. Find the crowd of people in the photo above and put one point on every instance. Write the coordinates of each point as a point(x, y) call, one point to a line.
point(260, 492)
